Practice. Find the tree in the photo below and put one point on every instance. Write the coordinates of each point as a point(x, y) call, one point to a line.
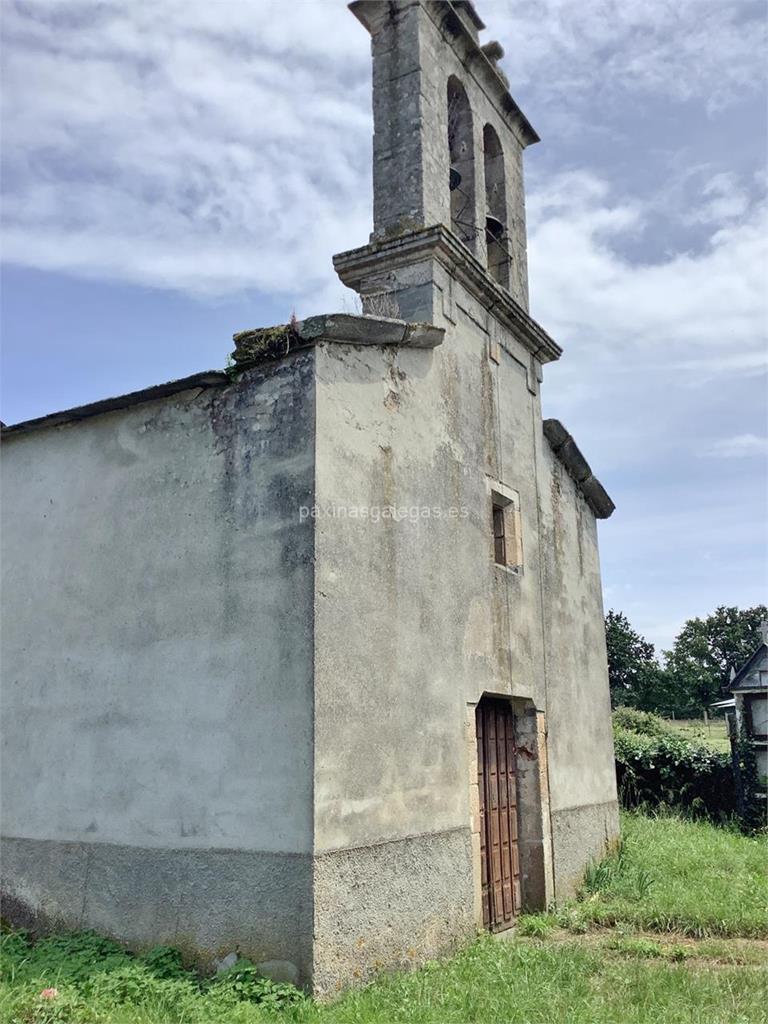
point(633, 672)
point(706, 650)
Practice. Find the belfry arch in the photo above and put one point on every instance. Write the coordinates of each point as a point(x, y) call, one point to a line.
point(462, 163)
point(496, 229)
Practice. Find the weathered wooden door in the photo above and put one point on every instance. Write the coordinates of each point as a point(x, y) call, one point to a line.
point(497, 781)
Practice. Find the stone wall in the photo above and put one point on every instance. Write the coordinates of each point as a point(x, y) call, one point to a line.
point(414, 622)
point(580, 738)
point(157, 663)
point(231, 722)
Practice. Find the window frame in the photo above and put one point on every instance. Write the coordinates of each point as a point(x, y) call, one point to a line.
point(506, 528)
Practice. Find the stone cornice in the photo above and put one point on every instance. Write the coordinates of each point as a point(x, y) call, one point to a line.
point(567, 451)
point(440, 244)
point(487, 72)
point(265, 344)
point(349, 329)
point(469, 8)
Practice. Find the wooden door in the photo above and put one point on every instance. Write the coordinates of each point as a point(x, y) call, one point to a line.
point(497, 781)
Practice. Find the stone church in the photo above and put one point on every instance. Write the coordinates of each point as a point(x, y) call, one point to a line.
point(305, 660)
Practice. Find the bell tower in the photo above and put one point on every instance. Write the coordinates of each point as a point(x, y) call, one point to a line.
point(447, 154)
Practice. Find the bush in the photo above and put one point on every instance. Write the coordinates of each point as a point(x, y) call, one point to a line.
point(71, 957)
point(14, 950)
point(643, 722)
point(661, 769)
point(243, 982)
point(80, 977)
point(163, 962)
point(753, 817)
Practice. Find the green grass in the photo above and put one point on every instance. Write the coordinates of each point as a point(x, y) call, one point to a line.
point(683, 876)
point(672, 880)
point(520, 981)
point(714, 734)
point(489, 983)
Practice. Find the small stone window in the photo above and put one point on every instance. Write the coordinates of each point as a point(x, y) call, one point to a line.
point(499, 535)
point(507, 529)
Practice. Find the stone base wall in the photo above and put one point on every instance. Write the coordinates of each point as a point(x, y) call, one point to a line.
point(331, 921)
point(581, 835)
point(390, 906)
point(209, 903)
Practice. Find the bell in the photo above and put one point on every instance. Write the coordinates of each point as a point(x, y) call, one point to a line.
point(494, 228)
point(454, 179)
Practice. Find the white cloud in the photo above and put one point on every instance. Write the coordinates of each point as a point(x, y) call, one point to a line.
point(680, 50)
point(215, 147)
point(724, 199)
point(202, 147)
point(703, 312)
point(742, 446)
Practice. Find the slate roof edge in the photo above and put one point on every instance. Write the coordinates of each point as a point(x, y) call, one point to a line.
point(567, 451)
point(338, 328)
point(735, 683)
point(206, 379)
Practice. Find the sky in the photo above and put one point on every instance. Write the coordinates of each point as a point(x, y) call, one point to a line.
point(174, 171)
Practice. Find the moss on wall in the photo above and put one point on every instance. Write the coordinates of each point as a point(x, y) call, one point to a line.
point(264, 343)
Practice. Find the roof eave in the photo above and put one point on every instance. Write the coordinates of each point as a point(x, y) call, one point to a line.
point(567, 451)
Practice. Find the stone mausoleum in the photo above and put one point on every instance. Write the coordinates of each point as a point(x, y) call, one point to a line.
point(306, 660)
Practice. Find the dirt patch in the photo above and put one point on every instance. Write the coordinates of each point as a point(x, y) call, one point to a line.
point(671, 946)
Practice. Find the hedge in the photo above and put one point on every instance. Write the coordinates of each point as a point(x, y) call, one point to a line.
point(658, 767)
